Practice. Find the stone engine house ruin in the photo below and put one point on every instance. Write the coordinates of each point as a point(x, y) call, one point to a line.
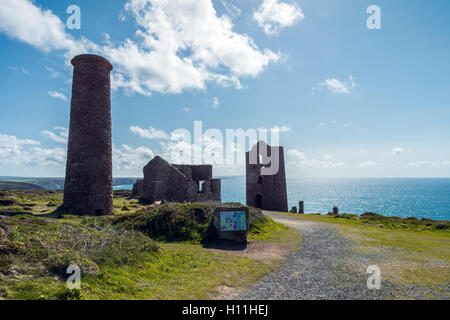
point(267, 192)
point(177, 183)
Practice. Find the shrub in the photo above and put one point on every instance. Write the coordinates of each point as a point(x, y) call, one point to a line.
point(7, 202)
point(182, 221)
point(171, 222)
point(83, 246)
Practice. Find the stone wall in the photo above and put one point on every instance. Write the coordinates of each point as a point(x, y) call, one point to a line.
point(267, 192)
point(177, 183)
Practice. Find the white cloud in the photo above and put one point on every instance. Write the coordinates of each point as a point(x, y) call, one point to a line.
point(150, 133)
point(273, 15)
point(336, 86)
point(301, 160)
point(282, 129)
point(22, 20)
point(185, 109)
point(179, 45)
point(57, 95)
point(20, 152)
point(128, 158)
point(366, 164)
point(60, 136)
point(231, 9)
point(45, 157)
point(181, 150)
point(429, 164)
point(24, 152)
point(170, 27)
point(215, 103)
point(53, 72)
point(22, 69)
point(10, 146)
point(397, 151)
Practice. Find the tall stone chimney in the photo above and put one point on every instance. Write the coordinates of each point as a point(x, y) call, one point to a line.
point(88, 188)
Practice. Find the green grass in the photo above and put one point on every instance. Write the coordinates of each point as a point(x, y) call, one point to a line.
point(413, 252)
point(177, 271)
point(149, 253)
point(271, 231)
point(31, 202)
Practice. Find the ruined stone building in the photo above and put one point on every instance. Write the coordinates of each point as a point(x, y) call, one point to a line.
point(177, 183)
point(266, 190)
point(88, 188)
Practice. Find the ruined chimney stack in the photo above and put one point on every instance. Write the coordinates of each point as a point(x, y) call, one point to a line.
point(88, 186)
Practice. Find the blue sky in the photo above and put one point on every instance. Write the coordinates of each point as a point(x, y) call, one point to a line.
point(349, 101)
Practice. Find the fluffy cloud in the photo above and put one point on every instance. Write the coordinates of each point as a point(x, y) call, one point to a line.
point(301, 160)
point(23, 20)
point(336, 86)
point(10, 146)
point(60, 136)
point(150, 133)
point(231, 9)
point(179, 45)
point(14, 151)
point(57, 95)
point(24, 152)
point(397, 151)
point(128, 158)
point(273, 15)
point(366, 164)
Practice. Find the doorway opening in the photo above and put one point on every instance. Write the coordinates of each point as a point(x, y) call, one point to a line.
point(258, 201)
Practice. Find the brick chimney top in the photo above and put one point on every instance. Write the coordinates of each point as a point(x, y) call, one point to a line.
point(91, 58)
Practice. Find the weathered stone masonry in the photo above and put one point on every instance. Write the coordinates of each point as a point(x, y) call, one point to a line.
point(89, 186)
point(177, 183)
point(267, 192)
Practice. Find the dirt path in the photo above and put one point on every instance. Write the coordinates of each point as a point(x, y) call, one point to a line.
point(322, 269)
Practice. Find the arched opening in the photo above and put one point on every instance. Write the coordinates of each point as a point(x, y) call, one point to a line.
point(258, 201)
point(260, 180)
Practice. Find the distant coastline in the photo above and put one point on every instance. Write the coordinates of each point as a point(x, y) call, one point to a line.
point(402, 197)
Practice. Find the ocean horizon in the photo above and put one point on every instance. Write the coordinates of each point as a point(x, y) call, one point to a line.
point(402, 197)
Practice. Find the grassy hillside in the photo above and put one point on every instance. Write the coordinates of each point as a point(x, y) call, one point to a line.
point(140, 252)
point(12, 185)
point(56, 183)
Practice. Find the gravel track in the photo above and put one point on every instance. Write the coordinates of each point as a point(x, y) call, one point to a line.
point(324, 268)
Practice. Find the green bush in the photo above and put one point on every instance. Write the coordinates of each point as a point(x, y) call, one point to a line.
point(171, 222)
point(85, 246)
point(181, 221)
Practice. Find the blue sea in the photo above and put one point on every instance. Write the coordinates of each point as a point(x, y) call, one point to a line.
point(422, 198)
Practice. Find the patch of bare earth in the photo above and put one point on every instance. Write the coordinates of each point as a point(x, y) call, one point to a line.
point(264, 252)
point(261, 251)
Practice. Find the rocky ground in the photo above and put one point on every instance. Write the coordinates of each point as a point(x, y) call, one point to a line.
point(326, 267)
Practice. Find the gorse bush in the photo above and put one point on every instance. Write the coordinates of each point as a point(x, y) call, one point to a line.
point(83, 246)
point(181, 221)
point(171, 222)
